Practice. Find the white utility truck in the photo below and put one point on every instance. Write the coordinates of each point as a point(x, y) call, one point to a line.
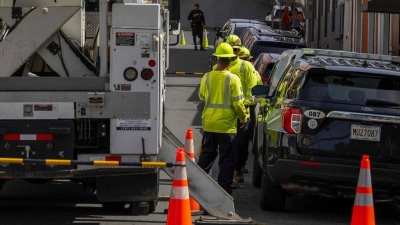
point(68, 92)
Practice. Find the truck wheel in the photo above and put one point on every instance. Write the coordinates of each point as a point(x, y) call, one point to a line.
point(152, 206)
point(113, 206)
point(257, 172)
point(273, 197)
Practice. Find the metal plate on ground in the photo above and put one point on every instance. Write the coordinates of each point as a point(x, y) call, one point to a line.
point(210, 220)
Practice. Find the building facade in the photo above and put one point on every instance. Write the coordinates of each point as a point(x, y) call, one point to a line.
point(353, 25)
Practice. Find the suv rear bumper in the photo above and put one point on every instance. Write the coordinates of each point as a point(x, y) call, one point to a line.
point(331, 178)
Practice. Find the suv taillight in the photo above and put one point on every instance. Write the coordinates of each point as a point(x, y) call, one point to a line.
point(291, 120)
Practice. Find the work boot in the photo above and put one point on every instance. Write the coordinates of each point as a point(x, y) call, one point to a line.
point(202, 49)
point(239, 176)
point(195, 48)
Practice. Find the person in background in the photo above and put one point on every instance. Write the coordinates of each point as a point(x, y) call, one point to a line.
point(297, 20)
point(285, 20)
point(222, 94)
point(198, 23)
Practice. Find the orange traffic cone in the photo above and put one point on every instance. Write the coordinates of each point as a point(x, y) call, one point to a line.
point(189, 150)
point(363, 210)
point(179, 205)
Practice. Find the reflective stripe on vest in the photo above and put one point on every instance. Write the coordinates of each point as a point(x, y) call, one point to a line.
point(242, 67)
point(225, 105)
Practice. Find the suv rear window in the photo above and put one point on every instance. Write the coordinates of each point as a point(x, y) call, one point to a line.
point(272, 47)
point(351, 88)
point(239, 30)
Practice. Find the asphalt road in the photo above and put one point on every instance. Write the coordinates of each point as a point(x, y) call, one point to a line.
point(61, 202)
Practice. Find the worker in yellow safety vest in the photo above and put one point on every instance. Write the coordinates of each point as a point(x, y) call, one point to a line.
point(249, 78)
point(222, 94)
point(244, 54)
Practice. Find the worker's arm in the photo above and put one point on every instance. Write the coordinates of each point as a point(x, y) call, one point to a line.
point(237, 99)
point(190, 17)
point(251, 80)
point(259, 80)
point(202, 89)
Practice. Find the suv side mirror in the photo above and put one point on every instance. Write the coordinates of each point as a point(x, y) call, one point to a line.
point(218, 29)
point(260, 91)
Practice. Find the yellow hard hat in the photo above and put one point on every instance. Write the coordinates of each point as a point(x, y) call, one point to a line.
point(234, 41)
point(245, 52)
point(224, 50)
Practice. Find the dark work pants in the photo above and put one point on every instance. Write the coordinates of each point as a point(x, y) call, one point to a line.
point(224, 145)
point(197, 31)
point(253, 116)
point(243, 138)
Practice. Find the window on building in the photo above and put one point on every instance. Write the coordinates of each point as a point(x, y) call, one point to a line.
point(321, 12)
point(326, 17)
point(334, 4)
point(314, 13)
point(341, 26)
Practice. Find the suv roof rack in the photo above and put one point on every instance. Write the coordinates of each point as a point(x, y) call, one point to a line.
point(350, 55)
point(279, 38)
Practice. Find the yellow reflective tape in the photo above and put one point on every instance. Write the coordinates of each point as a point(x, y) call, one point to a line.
point(180, 73)
point(105, 163)
point(155, 164)
point(11, 160)
point(58, 162)
point(196, 73)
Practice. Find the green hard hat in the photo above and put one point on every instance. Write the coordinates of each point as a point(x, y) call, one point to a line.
point(224, 50)
point(245, 52)
point(234, 41)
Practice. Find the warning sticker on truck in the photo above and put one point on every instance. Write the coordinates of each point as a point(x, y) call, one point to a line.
point(45, 107)
point(125, 39)
point(133, 124)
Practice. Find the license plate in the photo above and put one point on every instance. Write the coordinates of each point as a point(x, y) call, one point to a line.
point(365, 133)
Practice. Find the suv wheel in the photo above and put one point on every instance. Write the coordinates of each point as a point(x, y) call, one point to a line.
point(273, 197)
point(257, 172)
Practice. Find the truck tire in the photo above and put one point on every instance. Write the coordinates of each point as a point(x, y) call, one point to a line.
point(113, 206)
point(273, 197)
point(257, 172)
point(152, 206)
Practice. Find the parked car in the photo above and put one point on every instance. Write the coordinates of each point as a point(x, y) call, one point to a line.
point(234, 26)
point(264, 64)
point(276, 43)
point(328, 110)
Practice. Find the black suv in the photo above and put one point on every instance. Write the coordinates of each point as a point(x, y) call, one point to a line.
point(234, 26)
point(328, 109)
point(272, 41)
